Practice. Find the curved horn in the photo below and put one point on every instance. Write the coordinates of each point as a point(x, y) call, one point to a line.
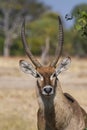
point(60, 41)
point(27, 50)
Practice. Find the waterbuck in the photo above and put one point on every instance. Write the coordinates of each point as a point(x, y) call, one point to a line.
point(57, 110)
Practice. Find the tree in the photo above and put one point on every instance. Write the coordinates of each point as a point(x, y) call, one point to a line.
point(11, 14)
point(80, 14)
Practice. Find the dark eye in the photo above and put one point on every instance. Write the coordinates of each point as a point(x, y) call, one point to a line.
point(40, 76)
point(53, 76)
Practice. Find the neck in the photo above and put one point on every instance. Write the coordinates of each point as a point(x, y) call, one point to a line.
point(55, 108)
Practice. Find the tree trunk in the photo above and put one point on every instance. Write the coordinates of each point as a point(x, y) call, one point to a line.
point(6, 49)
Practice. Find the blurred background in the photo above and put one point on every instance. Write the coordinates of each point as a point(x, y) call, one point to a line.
point(18, 103)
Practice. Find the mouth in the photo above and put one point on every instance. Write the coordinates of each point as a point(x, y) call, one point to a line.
point(47, 94)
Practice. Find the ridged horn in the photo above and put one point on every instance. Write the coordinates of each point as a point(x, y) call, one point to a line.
point(60, 42)
point(27, 50)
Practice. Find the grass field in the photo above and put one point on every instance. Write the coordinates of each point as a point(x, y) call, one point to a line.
point(18, 103)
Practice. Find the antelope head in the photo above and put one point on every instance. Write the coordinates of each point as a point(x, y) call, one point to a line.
point(46, 76)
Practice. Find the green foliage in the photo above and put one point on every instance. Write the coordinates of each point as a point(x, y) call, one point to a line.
point(80, 30)
point(44, 26)
point(39, 30)
point(1, 45)
point(80, 13)
point(82, 23)
point(17, 48)
point(68, 43)
point(35, 44)
point(50, 15)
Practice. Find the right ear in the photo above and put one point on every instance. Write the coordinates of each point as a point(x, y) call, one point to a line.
point(28, 68)
point(63, 65)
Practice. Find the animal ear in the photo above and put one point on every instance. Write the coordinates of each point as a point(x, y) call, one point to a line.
point(63, 65)
point(28, 68)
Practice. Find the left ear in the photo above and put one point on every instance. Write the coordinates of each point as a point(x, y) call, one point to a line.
point(29, 69)
point(63, 65)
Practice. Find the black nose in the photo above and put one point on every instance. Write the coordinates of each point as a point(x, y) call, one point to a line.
point(48, 90)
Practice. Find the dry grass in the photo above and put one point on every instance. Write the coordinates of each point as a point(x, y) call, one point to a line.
point(17, 109)
point(18, 104)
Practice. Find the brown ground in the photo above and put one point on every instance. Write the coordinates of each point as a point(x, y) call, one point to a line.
point(18, 104)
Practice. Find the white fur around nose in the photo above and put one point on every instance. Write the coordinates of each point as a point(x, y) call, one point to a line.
point(47, 86)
